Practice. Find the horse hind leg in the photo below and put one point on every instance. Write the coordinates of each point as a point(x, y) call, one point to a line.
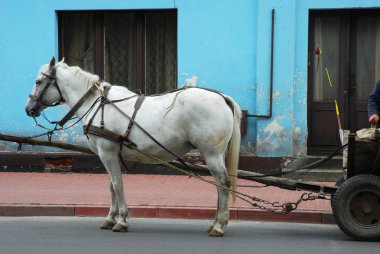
point(218, 170)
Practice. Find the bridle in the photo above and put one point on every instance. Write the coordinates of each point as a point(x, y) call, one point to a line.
point(59, 125)
point(51, 82)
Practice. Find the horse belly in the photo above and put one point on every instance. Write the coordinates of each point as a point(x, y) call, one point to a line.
point(171, 143)
point(155, 151)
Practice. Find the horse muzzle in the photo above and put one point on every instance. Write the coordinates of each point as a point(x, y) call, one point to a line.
point(34, 111)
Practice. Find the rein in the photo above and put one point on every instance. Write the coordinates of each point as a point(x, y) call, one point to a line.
point(50, 132)
point(95, 86)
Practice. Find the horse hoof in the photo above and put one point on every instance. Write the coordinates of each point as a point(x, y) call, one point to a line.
point(210, 229)
point(216, 233)
point(107, 225)
point(120, 228)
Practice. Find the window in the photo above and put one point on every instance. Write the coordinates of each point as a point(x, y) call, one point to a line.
point(327, 37)
point(137, 49)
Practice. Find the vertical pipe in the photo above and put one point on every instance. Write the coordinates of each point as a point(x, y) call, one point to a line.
point(271, 74)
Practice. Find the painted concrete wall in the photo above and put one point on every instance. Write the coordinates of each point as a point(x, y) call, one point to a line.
point(286, 133)
point(222, 44)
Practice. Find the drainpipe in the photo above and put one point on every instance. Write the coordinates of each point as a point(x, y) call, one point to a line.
point(245, 114)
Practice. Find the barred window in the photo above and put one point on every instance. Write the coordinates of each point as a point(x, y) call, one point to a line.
point(137, 49)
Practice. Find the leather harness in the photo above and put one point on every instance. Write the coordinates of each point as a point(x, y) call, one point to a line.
point(101, 131)
point(110, 135)
point(123, 139)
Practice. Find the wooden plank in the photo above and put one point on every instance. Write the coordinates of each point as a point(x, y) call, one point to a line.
point(280, 182)
point(41, 142)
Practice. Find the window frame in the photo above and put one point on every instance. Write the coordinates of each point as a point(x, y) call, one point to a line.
point(99, 46)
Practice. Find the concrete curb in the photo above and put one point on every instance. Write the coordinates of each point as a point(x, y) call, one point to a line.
point(317, 217)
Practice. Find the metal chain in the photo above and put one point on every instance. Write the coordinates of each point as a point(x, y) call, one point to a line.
point(291, 206)
point(276, 207)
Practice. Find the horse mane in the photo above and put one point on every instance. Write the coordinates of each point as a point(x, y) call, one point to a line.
point(86, 79)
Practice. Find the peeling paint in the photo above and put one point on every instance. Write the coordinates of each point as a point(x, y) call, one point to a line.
point(276, 94)
point(272, 137)
point(297, 131)
point(192, 81)
point(79, 139)
point(63, 137)
point(281, 137)
point(274, 127)
point(299, 142)
point(300, 105)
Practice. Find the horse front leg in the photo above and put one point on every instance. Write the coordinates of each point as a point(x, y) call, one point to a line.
point(110, 221)
point(118, 211)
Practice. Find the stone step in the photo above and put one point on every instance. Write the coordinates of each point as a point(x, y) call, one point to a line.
point(330, 171)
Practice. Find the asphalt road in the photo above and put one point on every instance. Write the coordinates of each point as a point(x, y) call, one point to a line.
point(32, 235)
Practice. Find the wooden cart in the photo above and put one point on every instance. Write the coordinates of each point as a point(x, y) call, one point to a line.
point(356, 202)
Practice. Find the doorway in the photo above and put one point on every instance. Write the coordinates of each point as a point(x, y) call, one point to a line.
point(344, 66)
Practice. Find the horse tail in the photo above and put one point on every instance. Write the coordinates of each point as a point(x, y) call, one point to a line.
point(233, 149)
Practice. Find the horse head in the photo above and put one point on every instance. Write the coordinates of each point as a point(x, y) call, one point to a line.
point(46, 92)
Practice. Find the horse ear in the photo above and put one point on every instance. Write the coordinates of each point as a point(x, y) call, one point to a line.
point(62, 61)
point(52, 63)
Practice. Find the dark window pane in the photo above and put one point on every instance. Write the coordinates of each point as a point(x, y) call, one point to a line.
point(367, 55)
point(78, 40)
point(161, 52)
point(120, 49)
point(133, 49)
point(327, 35)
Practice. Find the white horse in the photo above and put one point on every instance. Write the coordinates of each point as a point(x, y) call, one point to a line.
point(180, 121)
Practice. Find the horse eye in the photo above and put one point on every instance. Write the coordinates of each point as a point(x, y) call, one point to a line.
point(38, 82)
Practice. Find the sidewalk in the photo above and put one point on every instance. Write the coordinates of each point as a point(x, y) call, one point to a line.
point(151, 196)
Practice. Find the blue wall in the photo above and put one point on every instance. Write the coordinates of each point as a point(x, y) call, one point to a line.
point(222, 44)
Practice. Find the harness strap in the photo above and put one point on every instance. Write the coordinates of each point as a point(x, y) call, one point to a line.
point(104, 100)
point(150, 136)
point(107, 134)
point(104, 133)
point(79, 103)
point(85, 127)
point(123, 139)
point(138, 104)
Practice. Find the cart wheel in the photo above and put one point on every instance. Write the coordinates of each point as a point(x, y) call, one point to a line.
point(340, 181)
point(337, 184)
point(356, 207)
